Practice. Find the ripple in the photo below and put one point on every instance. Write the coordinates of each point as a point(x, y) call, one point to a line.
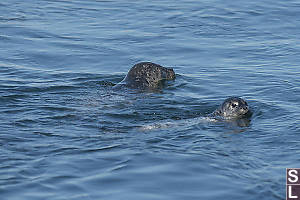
point(46, 89)
point(14, 98)
point(106, 148)
point(17, 18)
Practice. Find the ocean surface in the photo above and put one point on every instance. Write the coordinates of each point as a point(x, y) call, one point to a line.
point(66, 134)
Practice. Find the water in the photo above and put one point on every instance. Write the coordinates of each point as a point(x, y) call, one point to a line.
point(65, 134)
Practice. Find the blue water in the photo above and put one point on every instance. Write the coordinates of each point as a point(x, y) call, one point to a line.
point(66, 134)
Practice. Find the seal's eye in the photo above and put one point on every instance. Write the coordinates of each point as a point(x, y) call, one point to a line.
point(234, 105)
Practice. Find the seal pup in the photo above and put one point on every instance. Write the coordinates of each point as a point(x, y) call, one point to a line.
point(147, 75)
point(232, 108)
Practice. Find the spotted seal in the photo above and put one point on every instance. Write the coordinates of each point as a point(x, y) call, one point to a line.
point(232, 108)
point(147, 75)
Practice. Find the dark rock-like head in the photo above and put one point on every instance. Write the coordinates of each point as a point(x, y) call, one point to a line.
point(147, 75)
point(232, 108)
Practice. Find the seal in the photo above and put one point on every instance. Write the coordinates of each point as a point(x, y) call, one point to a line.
point(147, 75)
point(232, 108)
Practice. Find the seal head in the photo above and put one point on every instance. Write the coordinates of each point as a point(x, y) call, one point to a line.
point(232, 108)
point(147, 75)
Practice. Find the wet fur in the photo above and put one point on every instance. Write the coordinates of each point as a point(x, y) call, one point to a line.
point(232, 108)
point(147, 75)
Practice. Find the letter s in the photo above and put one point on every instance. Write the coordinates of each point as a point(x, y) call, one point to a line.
point(293, 173)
